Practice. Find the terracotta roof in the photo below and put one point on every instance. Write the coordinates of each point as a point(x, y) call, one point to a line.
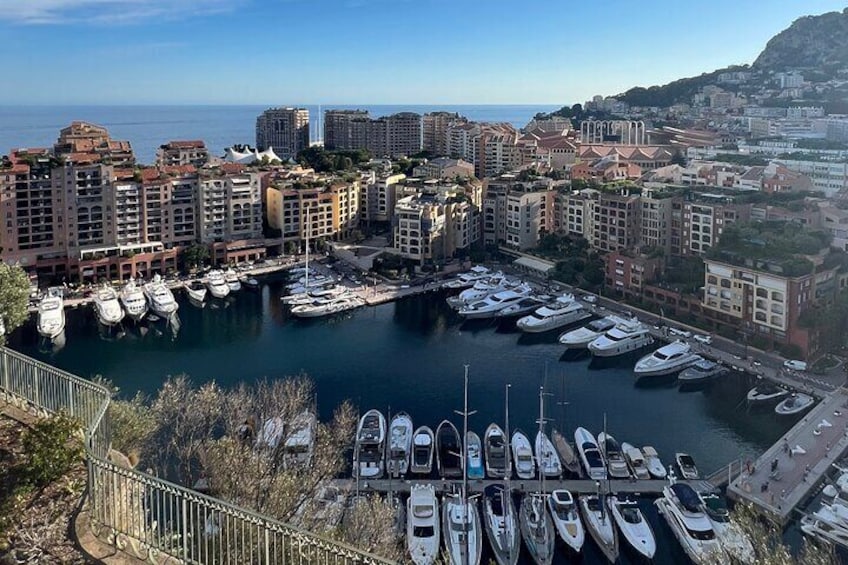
point(123, 173)
point(15, 168)
point(179, 170)
point(190, 144)
point(231, 168)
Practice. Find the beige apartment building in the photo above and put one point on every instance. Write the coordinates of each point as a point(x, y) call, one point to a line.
point(617, 221)
point(704, 220)
point(339, 126)
point(434, 126)
point(432, 227)
point(177, 153)
point(515, 212)
point(377, 198)
point(333, 209)
point(285, 130)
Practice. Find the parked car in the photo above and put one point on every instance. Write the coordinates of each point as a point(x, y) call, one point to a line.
point(590, 298)
point(795, 365)
point(705, 339)
point(679, 333)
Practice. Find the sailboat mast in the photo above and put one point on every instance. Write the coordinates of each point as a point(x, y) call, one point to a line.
point(508, 471)
point(307, 248)
point(465, 467)
point(541, 431)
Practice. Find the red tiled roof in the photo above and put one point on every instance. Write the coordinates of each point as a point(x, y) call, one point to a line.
point(196, 143)
point(179, 170)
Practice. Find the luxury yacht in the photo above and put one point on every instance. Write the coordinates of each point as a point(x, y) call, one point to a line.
point(495, 446)
point(308, 297)
point(217, 284)
point(636, 460)
point(232, 280)
point(327, 307)
point(546, 456)
point(654, 463)
point(501, 524)
point(796, 403)
point(566, 519)
point(107, 307)
point(370, 445)
point(598, 521)
point(582, 337)
point(522, 307)
point(132, 297)
point(633, 526)
point(667, 359)
point(448, 448)
point(522, 455)
point(462, 530)
point(611, 450)
point(423, 445)
point(489, 306)
point(826, 526)
point(561, 312)
point(160, 297)
point(474, 456)
point(681, 507)
point(623, 338)
point(700, 372)
point(400, 444)
point(51, 314)
point(537, 528)
point(468, 278)
point(590, 454)
point(422, 525)
point(481, 289)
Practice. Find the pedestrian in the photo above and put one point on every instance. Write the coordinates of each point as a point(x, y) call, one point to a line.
point(785, 446)
point(774, 466)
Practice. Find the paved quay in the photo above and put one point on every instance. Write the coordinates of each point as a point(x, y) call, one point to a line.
point(800, 459)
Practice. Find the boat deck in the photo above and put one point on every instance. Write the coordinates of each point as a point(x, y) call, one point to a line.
point(778, 493)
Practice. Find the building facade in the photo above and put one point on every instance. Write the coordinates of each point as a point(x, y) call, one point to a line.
point(285, 130)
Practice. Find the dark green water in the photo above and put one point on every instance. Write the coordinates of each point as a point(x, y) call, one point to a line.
point(410, 355)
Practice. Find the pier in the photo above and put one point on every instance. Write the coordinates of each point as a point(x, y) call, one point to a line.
point(801, 459)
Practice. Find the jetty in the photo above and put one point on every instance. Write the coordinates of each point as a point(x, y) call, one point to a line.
point(789, 472)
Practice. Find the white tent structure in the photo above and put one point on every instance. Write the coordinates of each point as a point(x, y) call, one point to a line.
point(247, 155)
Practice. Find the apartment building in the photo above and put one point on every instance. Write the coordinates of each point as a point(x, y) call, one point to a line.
point(286, 130)
point(515, 212)
point(444, 168)
point(704, 220)
point(655, 219)
point(434, 131)
point(576, 213)
point(83, 137)
point(617, 218)
point(377, 199)
point(177, 153)
point(339, 129)
point(628, 274)
point(826, 177)
point(432, 227)
point(229, 207)
point(396, 135)
point(403, 134)
point(333, 206)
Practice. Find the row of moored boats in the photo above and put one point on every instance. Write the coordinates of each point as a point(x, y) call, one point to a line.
point(314, 295)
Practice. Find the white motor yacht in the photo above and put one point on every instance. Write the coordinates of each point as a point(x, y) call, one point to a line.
point(495, 448)
point(370, 445)
point(633, 526)
point(300, 443)
point(566, 519)
point(796, 403)
point(733, 539)
point(481, 289)
point(468, 278)
point(597, 519)
point(107, 307)
point(474, 456)
point(623, 338)
point(653, 463)
point(217, 284)
point(522, 307)
point(611, 450)
point(423, 445)
point(686, 466)
point(400, 444)
point(546, 456)
point(820, 526)
point(305, 283)
point(51, 314)
point(681, 507)
point(327, 307)
point(160, 297)
point(561, 312)
point(196, 291)
point(422, 524)
point(501, 524)
point(232, 280)
point(590, 454)
point(636, 460)
point(135, 304)
point(537, 528)
point(462, 530)
point(580, 338)
point(307, 297)
point(522, 454)
point(668, 359)
point(701, 371)
point(489, 306)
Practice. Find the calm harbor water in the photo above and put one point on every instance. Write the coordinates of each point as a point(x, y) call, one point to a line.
point(410, 355)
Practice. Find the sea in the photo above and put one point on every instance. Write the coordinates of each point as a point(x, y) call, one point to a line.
point(148, 127)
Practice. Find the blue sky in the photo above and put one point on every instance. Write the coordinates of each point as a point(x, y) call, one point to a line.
point(371, 51)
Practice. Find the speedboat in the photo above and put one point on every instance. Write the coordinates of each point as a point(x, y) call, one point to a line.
point(583, 336)
point(561, 312)
point(489, 306)
point(51, 314)
point(400, 444)
point(422, 524)
point(300, 443)
point(250, 283)
point(701, 371)
point(468, 278)
point(327, 307)
point(636, 460)
point(217, 284)
point(422, 450)
point(537, 528)
point(160, 297)
point(494, 441)
point(462, 530)
point(196, 291)
point(522, 454)
point(566, 519)
point(653, 463)
point(549, 463)
point(134, 302)
point(232, 279)
point(448, 449)
point(667, 359)
point(733, 539)
point(474, 456)
point(501, 523)
point(590, 454)
point(598, 521)
point(765, 393)
point(616, 464)
point(107, 307)
point(370, 445)
point(633, 526)
point(681, 507)
point(623, 338)
point(795, 404)
point(686, 466)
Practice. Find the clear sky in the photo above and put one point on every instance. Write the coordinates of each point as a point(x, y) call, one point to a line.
point(371, 51)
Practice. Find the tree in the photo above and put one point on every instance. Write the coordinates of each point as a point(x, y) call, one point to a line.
point(195, 255)
point(678, 159)
point(14, 297)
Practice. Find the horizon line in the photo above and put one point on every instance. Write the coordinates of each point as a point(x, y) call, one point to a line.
point(85, 105)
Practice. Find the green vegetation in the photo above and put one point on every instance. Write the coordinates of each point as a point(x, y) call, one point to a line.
point(324, 161)
point(830, 319)
point(52, 447)
point(14, 297)
point(576, 265)
point(679, 91)
point(686, 274)
point(576, 114)
point(195, 255)
point(813, 42)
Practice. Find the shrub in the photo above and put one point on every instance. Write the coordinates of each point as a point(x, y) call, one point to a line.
point(51, 447)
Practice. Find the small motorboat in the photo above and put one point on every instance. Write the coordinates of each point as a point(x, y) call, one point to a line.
point(501, 524)
point(250, 283)
point(590, 454)
point(566, 453)
point(636, 460)
point(653, 463)
point(370, 445)
point(701, 372)
point(422, 525)
point(537, 528)
point(633, 526)
point(474, 456)
point(300, 441)
point(566, 519)
point(796, 403)
point(462, 530)
point(686, 466)
point(611, 450)
point(400, 444)
point(448, 449)
point(496, 451)
point(765, 393)
point(522, 454)
point(196, 291)
point(423, 445)
point(232, 280)
point(598, 521)
point(546, 456)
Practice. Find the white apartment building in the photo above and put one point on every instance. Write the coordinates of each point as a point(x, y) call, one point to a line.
point(430, 228)
point(377, 198)
point(826, 177)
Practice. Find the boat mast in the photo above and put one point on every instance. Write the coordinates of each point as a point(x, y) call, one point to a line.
point(307, 249)
point(542, 431)
point(507, 493)
point(464, 465)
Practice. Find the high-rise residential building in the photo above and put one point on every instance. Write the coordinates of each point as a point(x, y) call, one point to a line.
point(657, 208)
point(492, 148)
point(516, 212)
point(392, 136)
point(617, 221)
point(434, 131)
point(378, 198)
point(403, 134)
point(434, 225)
point(576, 213)
point(704, 220)
point(339, 129)
point(176, 153)
point(286, 130)
point(93, 140)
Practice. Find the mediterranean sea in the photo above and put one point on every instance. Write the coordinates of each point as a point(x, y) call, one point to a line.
point(148, 127)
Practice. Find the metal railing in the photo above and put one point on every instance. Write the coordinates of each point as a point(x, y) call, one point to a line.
point(160, 521)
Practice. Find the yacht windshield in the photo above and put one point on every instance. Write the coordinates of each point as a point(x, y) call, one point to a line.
point(422, 532)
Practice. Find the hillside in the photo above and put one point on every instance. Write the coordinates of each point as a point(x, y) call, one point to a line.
point(811, 42)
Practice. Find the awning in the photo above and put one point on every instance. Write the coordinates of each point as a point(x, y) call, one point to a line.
point(539, 265)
